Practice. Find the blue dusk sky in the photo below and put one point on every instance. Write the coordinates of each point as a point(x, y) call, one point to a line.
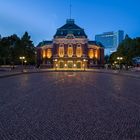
point(41, 18)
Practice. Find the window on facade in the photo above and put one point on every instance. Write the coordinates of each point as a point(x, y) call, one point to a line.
point(49, 53)
point(96, 54)
point(90, 53)
point(61, 51)
point(79, 51)
point(44, 53)
point(70, 50)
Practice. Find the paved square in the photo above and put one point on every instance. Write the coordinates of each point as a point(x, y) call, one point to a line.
point(69, 106)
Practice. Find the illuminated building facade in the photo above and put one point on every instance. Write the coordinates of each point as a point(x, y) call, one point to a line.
point(70, 49)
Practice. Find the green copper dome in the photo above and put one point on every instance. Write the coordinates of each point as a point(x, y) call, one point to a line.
point(70, 28)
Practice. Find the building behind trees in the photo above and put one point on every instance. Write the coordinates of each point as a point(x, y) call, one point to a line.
point(110, 40)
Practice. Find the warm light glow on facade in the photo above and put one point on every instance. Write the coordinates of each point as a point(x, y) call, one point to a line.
point(74, 65)
point(90, 53)
point(49, 53)
point(79, 51)
point(61, 51)
point(65, 65)
point(44, 53)
point(96, 53)
point(70, 50)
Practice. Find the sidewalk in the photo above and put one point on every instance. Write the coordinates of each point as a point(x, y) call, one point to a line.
point(14, 72)
point(9, 73)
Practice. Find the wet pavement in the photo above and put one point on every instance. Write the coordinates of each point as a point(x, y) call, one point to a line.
point(69, 106)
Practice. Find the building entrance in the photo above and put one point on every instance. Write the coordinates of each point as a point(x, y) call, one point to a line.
point(70, 64)
point(61, 64)
point(79, 65)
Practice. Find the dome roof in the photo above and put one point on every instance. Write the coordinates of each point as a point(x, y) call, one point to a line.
point(70, 28)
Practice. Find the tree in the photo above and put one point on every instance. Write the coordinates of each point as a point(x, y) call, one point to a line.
point(27, 48)
point(113, 57)
point(4, 50)
point(128, 49)
point(12, 47)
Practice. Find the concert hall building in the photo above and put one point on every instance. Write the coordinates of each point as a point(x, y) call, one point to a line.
point(70, 49)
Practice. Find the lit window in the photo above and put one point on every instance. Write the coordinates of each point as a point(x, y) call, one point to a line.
point(44, 53)
point(96, 53)
point(61, 51)
point(79, 51)
point(49, 53)
point(70, 50)
point(90, 53)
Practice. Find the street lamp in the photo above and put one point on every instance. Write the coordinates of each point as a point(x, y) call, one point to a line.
point(55, 64)
point(35, 58)
point(119, 59)
point(84, 64)
point(22, 59)
point(25, 61)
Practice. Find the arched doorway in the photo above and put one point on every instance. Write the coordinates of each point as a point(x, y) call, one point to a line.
point(61, 64)
point(79, 64)
point(70, 64)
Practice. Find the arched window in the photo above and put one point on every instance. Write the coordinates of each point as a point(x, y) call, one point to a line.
point(44, 53)
point(70, 50)
point(90, 53)
point(96, 53)
point(79, 51)
point(61, 50)
point(49, 53)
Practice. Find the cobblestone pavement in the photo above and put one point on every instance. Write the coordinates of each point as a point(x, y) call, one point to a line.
point(69, 106)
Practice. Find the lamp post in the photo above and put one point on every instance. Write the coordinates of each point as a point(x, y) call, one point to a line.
point(22, 58)
point(119, 59)
point(25, 61)
point(55, 64)
point(84, 64)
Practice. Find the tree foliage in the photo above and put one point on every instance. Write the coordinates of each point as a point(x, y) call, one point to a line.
point(12, 47)
point(128, 49)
